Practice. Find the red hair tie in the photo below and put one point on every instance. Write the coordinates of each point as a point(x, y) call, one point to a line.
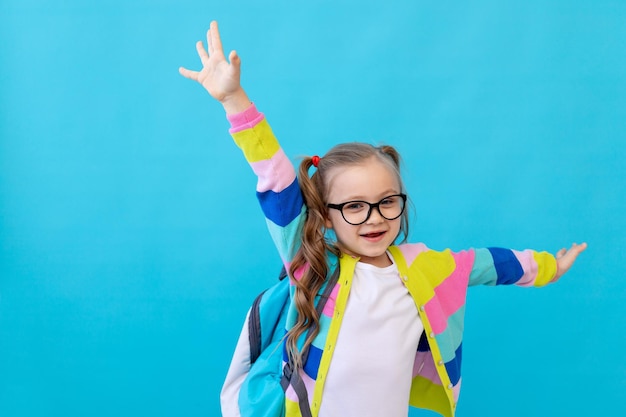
point(315, 160)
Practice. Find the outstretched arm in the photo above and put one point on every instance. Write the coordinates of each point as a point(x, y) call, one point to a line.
point(565, 258)
point(526, 268)
point(221, 78)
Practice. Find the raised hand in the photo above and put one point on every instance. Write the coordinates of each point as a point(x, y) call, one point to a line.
point(565, 258)
point(221, 78)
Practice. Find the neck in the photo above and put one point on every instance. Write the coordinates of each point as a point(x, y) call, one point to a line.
point(380, 261)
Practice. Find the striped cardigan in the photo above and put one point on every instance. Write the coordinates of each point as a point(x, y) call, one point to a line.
point(437, 280)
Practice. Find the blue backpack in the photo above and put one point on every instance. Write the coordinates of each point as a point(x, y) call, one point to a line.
point(262, 393)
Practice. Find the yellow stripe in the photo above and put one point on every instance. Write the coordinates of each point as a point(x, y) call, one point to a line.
point(434, 267)
point(257, 143)
point(292, 408)
point(546, 268)
point(347, 265)
point(421, 288)
point(425, 394)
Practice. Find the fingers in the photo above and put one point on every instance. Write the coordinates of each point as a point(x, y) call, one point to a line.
point(209, 41)
point(202, 53)
point(192, 75)
point(565, 258)
point(213, 39)
point(579, 248)
point(212, 57)
point(234, 59)
point(575, 250)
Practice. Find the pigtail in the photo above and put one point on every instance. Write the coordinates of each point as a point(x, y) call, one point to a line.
point(392, 153)
point(310, 261)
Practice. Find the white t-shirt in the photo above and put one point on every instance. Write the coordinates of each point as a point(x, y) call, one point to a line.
point(371, 369)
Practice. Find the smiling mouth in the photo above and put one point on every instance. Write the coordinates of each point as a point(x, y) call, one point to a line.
point(373, 235)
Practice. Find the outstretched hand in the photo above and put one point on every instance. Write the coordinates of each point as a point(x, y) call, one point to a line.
point(565, 258)
point(221, 78)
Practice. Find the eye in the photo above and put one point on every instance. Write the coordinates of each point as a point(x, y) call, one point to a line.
point(354, 206)
point(389, 201)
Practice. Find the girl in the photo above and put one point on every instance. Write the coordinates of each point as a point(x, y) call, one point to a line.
point(390, 333)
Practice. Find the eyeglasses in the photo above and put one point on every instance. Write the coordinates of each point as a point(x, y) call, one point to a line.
point(357, 212)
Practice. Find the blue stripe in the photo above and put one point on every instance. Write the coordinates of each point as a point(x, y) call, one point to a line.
point(453, 368)
point(284, 206)
point(312, 364)
point(507, 266)
point(313, 361)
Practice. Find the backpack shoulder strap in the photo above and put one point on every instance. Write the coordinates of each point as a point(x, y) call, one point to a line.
point(255, 329)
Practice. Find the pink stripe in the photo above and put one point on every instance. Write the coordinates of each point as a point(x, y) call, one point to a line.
point(244, 120)
point(450, 294)
point(529, 265)
point(329, 308)
point(456, 390)
point(424, 366)
point(298, 273)
point(308, 382)
point(274, 174)
point(429, 371)
point(410, 251)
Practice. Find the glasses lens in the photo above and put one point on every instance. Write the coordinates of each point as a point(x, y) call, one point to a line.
point(391, 207)
point(357, 212)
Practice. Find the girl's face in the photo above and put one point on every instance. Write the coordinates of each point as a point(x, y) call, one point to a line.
point(370, 181)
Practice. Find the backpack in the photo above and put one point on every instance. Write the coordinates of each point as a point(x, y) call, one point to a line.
point(269, 326)
point(262, 391)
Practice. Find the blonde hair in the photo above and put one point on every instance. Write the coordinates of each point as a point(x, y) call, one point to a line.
point(310, 264)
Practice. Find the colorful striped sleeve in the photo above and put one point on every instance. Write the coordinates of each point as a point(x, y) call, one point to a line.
point(498, 266)
point(277, 186)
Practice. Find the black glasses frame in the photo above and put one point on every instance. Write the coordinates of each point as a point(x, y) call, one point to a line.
point(371, 207)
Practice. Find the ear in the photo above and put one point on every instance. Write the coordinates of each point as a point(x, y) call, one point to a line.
point(328, 223)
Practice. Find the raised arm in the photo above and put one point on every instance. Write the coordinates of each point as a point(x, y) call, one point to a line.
point(221, 78)
point(278, 190)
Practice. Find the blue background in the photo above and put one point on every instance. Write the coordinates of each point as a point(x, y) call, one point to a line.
point(130, 241)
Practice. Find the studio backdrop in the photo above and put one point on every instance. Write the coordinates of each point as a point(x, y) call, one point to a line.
point(131, 242)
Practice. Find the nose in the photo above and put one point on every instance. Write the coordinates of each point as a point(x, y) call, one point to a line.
point(375, 216)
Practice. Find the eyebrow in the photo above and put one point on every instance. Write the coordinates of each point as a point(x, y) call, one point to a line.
point(383, 195)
